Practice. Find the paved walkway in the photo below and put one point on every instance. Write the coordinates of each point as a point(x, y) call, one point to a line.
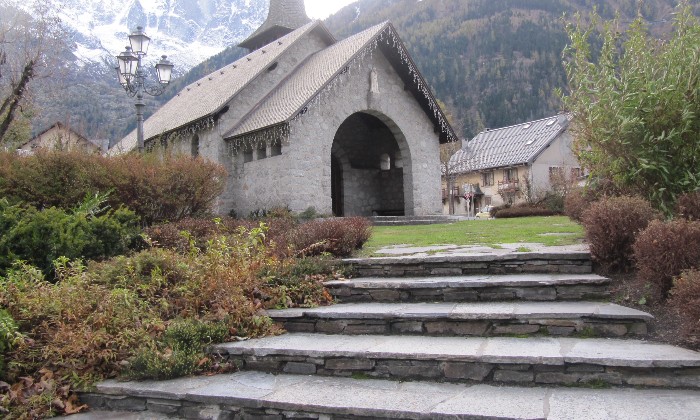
point(456, 250)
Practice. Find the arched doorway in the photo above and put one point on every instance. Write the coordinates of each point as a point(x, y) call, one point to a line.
point(367, 175)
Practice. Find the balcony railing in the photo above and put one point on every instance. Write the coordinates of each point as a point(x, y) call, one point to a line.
point(510, 185)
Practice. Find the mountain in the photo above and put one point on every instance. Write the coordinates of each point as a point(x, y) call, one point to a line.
point(85, 90)
point(493, 62)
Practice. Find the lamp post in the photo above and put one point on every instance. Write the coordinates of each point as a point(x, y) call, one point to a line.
point(132, 76)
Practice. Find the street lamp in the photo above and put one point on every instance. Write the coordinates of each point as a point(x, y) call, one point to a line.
point(133, 78)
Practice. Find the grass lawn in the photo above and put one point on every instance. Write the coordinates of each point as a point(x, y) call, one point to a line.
point(550, 231)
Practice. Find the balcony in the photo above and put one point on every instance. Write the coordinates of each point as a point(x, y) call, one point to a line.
point(509, 186)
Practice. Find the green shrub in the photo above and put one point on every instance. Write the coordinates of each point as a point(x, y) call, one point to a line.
point(40, 237)
point(611, 226)
point(9, 336)
point(179, 352)
point(664, 250)
point(685, 299)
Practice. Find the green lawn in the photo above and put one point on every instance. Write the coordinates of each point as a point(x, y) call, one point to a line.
point(550, 231)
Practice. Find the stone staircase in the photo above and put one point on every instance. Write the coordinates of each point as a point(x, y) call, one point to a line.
point(490, 336)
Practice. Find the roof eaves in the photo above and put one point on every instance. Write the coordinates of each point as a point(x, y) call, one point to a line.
point(562, 129)
point(225, 103)
point(428, 92)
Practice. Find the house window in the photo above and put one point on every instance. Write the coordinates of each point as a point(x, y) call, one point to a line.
point(487, 179)
point(487, 200)
point(576, 173)
point(556, 173)
point(510, 174)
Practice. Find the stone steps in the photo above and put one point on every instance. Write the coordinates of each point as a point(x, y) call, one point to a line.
point(483, 319)
point(254, 395)
point(533, 287)
point(523, 361)
point(570, 262)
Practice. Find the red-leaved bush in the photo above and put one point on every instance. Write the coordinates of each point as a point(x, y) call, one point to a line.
point(611, 226)
point(523, 211)
point(155, 188)
point(576, 203)
point(688, 206)
point(685, 298)
point(665, 249)
point(339, 237)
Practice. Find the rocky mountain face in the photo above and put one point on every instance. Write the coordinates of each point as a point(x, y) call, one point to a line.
point(85, 92)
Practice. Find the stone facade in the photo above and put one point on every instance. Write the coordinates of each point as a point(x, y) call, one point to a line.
point(367, 145)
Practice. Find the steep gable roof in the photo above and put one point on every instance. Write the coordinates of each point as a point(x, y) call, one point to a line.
point(210, 94)
point(509, 146)
point(298, 90)
point(283, 17)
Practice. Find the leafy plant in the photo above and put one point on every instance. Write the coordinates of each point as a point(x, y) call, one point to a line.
point(636, 102)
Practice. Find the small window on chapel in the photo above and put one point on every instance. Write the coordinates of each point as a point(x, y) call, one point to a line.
point(276, 149)
point(247, 155)
point(261, 151)
point(195, 146)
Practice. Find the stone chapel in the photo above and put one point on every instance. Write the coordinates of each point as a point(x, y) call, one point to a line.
point(348, 127)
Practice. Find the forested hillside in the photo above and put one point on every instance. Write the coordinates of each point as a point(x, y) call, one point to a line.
point(493, 62)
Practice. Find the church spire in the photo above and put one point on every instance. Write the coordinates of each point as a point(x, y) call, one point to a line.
point(283, 17)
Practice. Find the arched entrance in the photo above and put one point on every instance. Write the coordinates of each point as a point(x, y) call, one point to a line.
point(367, 161)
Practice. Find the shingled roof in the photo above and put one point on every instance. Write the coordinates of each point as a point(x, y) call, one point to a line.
point(307, 80)
point(509, 146)
point(283, 17)
point(318, 71)
point(210, 94)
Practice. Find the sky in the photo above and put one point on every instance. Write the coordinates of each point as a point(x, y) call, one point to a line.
point(321, 9)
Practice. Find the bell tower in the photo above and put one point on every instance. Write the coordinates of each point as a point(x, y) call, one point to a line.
point(283, 17)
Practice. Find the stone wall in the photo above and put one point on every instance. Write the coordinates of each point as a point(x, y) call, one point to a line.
point(305, 164)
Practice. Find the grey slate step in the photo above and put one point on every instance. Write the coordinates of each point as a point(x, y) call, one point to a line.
point(534, 360)
point(467, 319)
point(256, 395)
point(461, 288)
point(565, 262)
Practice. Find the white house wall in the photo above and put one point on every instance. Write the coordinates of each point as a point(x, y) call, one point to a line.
point(558, 154)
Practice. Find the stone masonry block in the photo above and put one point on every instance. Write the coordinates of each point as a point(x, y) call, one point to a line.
point(349, 364)
point(127, 404)
point(460, 328)
point(513, 376)
point(299, 368)
point(464, 370)
point(516, 329)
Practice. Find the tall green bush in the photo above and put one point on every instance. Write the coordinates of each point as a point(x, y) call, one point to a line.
point(41, 236)
point(636, 105)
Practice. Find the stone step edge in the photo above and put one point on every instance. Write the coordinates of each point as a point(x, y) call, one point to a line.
point(293, 396)
point(524, 256)
point(591, 319)
point(537, 361)
point(473, 281)
point(471, 289)
point(442, 265)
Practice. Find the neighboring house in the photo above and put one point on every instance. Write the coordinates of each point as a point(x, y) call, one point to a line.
point(511, 164)
point(59, 137)
point(348, 127)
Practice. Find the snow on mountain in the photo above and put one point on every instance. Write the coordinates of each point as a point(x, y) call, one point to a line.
point(187, 31)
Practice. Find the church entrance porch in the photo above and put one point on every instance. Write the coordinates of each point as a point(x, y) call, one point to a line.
point(367, 161)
